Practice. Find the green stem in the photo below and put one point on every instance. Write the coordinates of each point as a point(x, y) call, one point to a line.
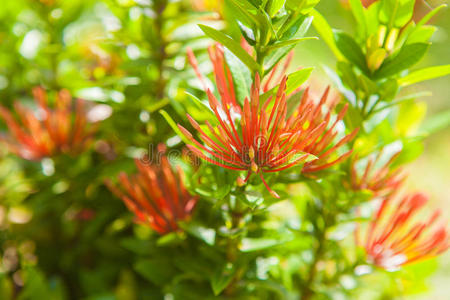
point(160, 48)
point(308, 292)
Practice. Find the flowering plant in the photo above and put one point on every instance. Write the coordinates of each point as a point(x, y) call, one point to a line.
point(219, 149)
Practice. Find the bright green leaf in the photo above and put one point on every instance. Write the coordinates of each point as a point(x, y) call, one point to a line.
point(407, 57)
point(424, 74)
point(358, 12)
point(232, 45)
point(296, 79)
point(325, 32)
point(289, 43)
point(396, 13)
point(174, 126)
point(274, 6)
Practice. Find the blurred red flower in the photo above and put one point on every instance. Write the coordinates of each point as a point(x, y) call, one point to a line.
point(260, 137)
point(399, 234)
point(47, 132)
point(381, 181)
point(156, 195)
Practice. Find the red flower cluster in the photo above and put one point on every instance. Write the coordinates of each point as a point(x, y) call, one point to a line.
point(381, 181)
point(260, 137)
point(47, 132)
point(156, 195)
point(397, 236)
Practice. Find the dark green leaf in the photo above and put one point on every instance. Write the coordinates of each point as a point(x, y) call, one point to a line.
point(155, 270)
point(222, 278)
point(351, 50)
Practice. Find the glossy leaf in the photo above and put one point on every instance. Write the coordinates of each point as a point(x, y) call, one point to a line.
point(296, 79)
point(407, 57)
point(232, 45)
point(424, 74)
point(351, 50)
point(325, 32)
point(396, 13)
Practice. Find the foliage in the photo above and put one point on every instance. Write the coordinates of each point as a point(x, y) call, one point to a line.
point(200, 230)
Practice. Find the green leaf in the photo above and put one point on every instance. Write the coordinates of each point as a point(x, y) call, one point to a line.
point(326, 33)
point(289, 43)
point(201, 106)
point(424, 74)
point(222, 278)
point(407, 57)
point(273, 58)
point(351, 50)
point(173, 125)
point(296, 79)
point(242, 78)
point(421, 35)
point(431, 14)
point(302, 6)
point(274, 6)
point(232, 45)
point(358, 12)
point(437, 122)
point(291, 26)
point(396, 13)
point(207, 235)
point(244, 12)
point(156, 270)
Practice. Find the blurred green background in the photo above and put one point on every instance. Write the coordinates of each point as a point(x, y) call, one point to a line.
point(83, 65)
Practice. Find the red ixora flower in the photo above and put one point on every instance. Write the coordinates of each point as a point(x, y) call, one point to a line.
point(381, 181)
point(259, 137)
point(156, 195)
point(47, 132)
point(399, 234)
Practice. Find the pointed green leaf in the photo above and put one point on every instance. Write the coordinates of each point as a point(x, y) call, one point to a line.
point(296, 79)
point(222, 278)
point(424, 74)
point(325, 32)
point(431, 14)
point(292, 42)
point(396, 13)
point(408, 56)
point(242, 78)
point(351, 50)
point(173, 125)
point(232, 45)
point(358, 12)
